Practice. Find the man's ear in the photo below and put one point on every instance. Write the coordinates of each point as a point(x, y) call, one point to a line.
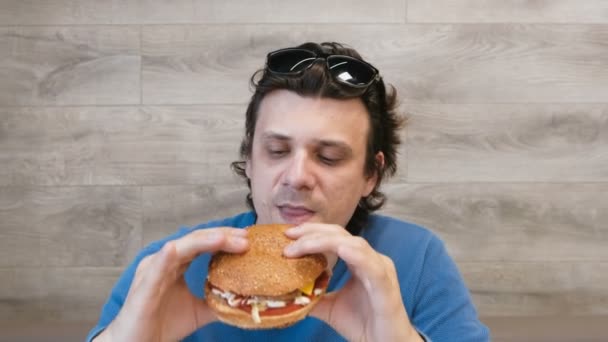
point(373, 179)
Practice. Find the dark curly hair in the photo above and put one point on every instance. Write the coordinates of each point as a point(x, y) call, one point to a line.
point(381, 105)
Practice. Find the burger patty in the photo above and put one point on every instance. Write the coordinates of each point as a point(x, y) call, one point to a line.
point(269, 302)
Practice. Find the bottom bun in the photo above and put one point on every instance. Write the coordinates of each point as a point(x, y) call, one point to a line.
point(242, 319)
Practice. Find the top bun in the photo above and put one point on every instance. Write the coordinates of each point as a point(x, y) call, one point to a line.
point(263, 270)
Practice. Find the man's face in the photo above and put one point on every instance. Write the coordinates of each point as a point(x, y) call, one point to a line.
point(307, 161)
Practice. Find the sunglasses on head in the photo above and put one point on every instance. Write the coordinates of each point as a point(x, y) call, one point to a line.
point(346, 70)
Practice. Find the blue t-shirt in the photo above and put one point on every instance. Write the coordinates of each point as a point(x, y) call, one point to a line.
point(436, 299)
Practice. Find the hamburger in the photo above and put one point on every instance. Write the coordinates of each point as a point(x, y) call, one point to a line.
point(262, 289)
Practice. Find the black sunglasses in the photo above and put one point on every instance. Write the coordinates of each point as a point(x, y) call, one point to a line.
point(346, 70)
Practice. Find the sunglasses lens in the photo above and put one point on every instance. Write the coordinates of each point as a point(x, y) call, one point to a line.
point(290, 60)
point(351, 70)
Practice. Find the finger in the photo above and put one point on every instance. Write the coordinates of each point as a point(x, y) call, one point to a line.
point(210, 240)
point(330, 257)
point(168, 264)
point(150, 274)
point(377, 275)
point(324, 306)
point(310, 228)
point(315, 242)
point(365, 263)
point(202, 313)
point(362, 260)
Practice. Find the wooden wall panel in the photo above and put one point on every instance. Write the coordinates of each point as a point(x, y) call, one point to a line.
point(507, 143)
point(69, 65)
point(118, 120)
point(87, 12)
point(512, 11)
point(538, 289)
point(427, 63)
point(119, 145)
point(167, 208)
point(55, 294)
point(72, 226)
point(498, 223)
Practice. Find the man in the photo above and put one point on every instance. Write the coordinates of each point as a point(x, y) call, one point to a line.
point(321, 134)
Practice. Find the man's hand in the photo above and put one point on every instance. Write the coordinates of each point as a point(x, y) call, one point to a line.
point(369, 307)
point(159, 306)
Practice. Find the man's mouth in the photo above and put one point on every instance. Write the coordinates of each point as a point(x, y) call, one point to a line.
point(295, 214)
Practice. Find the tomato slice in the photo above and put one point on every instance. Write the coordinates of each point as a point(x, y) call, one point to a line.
point(273, 311)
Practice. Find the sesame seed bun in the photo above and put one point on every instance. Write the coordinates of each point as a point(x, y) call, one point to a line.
point(262, 271)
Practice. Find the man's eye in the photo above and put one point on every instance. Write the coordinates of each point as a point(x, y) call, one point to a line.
point(328, 161)
point(277, 153)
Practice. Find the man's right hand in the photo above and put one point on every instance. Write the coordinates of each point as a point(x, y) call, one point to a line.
point(159, 305)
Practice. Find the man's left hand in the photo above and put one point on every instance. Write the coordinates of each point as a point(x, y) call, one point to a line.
point(369, 307)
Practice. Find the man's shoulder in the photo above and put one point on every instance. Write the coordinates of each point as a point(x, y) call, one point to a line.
point(391, 233)
point(378, 224)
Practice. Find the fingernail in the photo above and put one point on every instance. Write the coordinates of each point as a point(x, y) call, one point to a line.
point(290, 249)
point(240, 232)
point(292, 229)
point(238, 240)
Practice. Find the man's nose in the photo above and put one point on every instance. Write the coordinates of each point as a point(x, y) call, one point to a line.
point(299, 173)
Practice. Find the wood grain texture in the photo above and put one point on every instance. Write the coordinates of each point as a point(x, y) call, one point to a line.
point(512, 11)
point(47, 331)
point(87, 12)
point(75, 226)
point(55, 294)
point(167, 208)
point(507, 143)
point(119, 145)
point(69, 65)
point(560, 328)
point(118, 121)
point(475, 63)
point(510, 222)
point(504, 329)
point(538, 289)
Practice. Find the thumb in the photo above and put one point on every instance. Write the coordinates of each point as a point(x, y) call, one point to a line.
point(202, 313)
point(324, 308)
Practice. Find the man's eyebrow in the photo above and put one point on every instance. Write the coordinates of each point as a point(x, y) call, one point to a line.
point(273, 135)
point(335, 143)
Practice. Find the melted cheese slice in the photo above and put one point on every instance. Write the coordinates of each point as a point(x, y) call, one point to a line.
point(308, 288)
